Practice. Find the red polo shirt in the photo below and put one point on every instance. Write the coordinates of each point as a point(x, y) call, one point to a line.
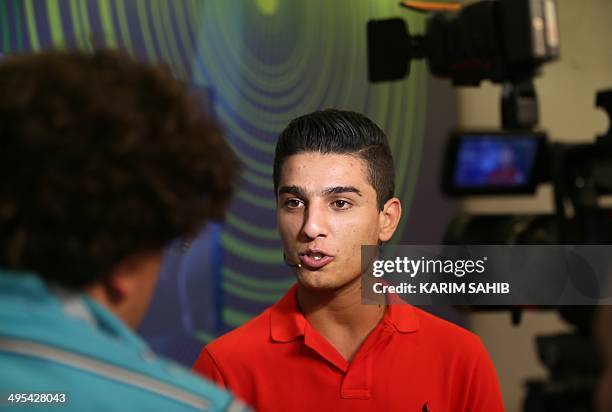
point(411, 361)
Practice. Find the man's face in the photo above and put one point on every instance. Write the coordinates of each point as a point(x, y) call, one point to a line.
point(326, 210)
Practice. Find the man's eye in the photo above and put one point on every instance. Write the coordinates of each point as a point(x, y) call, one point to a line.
point(341, 204)
point(293, 203)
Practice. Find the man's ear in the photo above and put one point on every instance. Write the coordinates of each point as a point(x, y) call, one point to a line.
point(121, 282)
point(128, 289)
point(126, 277)
point(389, 218)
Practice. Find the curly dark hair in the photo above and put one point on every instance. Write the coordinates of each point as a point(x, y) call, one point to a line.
point(102, 157)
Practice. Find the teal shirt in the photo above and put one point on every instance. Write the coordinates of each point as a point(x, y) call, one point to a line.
point(97, 363)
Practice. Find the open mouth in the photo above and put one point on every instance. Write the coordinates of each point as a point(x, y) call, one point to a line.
point(315, 259)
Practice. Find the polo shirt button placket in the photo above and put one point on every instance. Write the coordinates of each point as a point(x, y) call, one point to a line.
point(358, 378)
point(355, 385)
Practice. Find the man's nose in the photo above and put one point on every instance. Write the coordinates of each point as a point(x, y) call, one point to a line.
point(315, 221)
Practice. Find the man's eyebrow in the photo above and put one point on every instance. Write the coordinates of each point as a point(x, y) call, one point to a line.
point(292, 190)
point(341, 189)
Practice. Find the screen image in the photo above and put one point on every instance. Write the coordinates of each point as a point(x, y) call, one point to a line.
point(494, 161)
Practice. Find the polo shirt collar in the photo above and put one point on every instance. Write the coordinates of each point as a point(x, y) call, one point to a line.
point(287, 322)
point(403, 316)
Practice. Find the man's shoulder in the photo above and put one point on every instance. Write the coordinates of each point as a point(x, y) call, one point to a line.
point(254, 334)
point(447, 337)
point(87, 363)
point(88, 380)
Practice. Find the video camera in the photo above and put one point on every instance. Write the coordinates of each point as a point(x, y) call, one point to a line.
point(506, 42)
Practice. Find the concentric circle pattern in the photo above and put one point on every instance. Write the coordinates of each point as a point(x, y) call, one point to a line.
point(260, 64)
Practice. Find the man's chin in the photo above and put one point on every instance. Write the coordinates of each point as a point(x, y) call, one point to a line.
point(322, 282)
point(316, 280)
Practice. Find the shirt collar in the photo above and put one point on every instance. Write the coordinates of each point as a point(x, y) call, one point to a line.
point(403, 316)
point(31, 291)
point(287, 322)
point(73, 304)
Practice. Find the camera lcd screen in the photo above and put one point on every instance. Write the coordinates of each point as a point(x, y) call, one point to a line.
point(493, 163)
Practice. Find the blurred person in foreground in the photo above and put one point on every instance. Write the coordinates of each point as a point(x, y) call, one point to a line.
point(104, 161)
point(318, 347)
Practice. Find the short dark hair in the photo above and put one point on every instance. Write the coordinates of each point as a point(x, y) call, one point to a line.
point(102, 157)
point(340, 132)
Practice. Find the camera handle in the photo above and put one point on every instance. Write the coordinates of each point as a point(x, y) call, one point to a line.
point(519, 105)
point(582, 173)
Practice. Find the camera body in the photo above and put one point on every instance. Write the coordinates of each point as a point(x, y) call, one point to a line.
point(500, 41)
point(513, 163)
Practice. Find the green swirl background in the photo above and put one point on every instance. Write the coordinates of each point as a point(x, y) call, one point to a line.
point(262, 63)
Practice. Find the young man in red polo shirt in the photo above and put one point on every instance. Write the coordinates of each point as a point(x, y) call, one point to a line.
point(320, 348)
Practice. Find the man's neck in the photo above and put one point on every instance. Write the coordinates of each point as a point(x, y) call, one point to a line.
point(339, 316)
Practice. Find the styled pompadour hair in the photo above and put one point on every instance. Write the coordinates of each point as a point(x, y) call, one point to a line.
point(334, 131)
